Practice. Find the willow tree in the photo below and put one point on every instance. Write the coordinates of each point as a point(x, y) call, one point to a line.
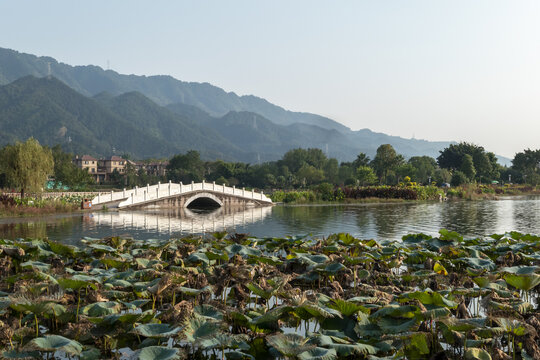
point(26, 166)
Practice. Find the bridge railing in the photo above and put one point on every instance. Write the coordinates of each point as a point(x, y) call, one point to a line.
point(155, 192)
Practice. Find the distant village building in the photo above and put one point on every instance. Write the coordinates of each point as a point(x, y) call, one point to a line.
point(113, 163)
point(102, 169)
point(87, 162)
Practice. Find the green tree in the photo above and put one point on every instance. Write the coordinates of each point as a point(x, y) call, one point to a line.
point(527, 163)
point(485, 163)
point(361, 160)
point(458, 178)
point(26, 165)
point(309, 175)
point(66, 172)
point(467, 167)
point(186, 168)
point(424, 167)
point(366, 176)
point(386, 160)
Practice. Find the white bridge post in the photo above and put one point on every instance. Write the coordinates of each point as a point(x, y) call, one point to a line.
point(191, 185)
point(213, 185)
point(253, 193)
point(181, 187)
point(136, 188)
point(169, 187)
point(243, 191)
point(234, 189)
point(124, 193)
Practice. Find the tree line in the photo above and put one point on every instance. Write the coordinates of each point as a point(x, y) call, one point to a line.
point(27, 165)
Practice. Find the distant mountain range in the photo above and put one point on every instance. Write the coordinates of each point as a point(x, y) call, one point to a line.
point(90, 110)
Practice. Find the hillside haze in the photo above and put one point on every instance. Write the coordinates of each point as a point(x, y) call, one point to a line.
point(90, 110)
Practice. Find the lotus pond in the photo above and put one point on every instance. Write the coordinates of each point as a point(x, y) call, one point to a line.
point(232, 296)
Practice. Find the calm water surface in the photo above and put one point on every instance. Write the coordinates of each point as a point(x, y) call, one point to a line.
point(378, 220)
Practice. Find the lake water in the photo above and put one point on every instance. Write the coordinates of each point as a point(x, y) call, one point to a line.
point(374, 220)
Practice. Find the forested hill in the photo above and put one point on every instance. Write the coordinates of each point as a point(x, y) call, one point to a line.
point(52, 112)
point(91, 80)
point(164, 116)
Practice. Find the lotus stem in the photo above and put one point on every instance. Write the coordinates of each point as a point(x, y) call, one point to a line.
point(37, 325)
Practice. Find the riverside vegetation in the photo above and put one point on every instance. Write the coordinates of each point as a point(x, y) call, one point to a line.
point(240, 297)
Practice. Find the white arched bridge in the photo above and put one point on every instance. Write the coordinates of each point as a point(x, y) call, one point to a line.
point(181, 195)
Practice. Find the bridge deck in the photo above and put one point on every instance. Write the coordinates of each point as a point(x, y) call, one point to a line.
point(153, 193)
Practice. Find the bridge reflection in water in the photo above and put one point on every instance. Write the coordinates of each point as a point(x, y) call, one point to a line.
point(179, 220)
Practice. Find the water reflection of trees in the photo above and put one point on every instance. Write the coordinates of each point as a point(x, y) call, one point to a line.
point(526, 215)
point(37, 229)
point(470, 218)
point(305, 219)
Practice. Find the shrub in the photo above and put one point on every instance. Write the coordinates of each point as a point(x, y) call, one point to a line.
point(458, 179)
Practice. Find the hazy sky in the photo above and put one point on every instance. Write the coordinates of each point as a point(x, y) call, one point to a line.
point(438, 70)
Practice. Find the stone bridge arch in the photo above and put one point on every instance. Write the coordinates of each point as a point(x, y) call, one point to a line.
point(211, 198)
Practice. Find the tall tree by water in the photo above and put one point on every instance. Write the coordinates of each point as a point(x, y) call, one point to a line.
point(26, 166)
point(386, 160)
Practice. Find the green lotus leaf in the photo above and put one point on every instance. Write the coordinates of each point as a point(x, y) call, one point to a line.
point(41, 266)
point(257, 290)
point(332, 269)
point(197, 329)
point(156, 330)
point(523, 282)
point(91, 354)
point(477, 354)
point(429, 297)
point(53, 343)
point(395, 311)
point(244, 251)
point(102, 248)
point(62, 249)
point(520, 270)
point(308, 310)
point(197, 258)
point(347, 308)
point(479, 264)
point(101, 308)
point(318, 354)
point(158, 353)
point(289, 345)
point(269, 319)
point(118, 283)
point(238, 355)
point(208, 311)
point(135, 304)
point(397, 325)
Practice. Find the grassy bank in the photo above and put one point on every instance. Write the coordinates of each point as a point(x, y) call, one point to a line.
point(240, 297)
point(330, 194)
point(409, 192)
point(480, 192)
point(34, 206)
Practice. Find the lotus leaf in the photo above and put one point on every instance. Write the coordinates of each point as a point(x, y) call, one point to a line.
point(158, 353)
point(289, 344)
point(318, 354)
point(52, 343)
point(477, 354)
point(101, 308)
point(156, 330)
